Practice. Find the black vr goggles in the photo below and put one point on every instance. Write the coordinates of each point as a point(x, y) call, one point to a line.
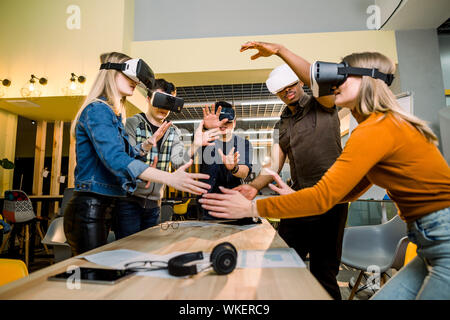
point(326, 75)
point(135, 69)
point(166, 101)
point(227, 111)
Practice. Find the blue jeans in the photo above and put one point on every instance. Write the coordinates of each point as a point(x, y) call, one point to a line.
point(132, 218)
point(427, 276)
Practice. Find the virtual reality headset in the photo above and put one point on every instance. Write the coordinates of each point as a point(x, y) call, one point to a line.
point(135, 69)
point(166, 101)
point(227, 111)
point(326, 75)
point(280, 78)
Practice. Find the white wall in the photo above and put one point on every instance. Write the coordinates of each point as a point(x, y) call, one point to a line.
point(164, 20)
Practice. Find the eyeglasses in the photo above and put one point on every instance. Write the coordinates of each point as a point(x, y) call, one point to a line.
point(167, 225)
point(146, 265)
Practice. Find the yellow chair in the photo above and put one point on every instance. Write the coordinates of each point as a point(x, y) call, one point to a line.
point(275, 222)
point(11, 270)
point(181, 209)
point(411, 252)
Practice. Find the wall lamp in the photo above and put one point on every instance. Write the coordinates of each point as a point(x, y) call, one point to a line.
point(4, 83)
point(31, 89)
point(74, 85)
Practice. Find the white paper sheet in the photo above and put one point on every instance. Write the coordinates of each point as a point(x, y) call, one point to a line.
point(271, 258)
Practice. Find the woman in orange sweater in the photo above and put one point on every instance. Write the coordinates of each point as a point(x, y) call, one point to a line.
point(389, 148)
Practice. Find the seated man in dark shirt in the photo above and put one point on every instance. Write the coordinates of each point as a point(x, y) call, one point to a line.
point(229, 161)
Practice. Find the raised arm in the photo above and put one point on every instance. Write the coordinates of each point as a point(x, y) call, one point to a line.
point(300, 66)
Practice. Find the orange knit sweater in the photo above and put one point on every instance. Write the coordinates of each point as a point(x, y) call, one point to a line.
point(387, 152)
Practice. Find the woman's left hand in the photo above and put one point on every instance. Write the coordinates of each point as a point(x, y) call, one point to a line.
point(229, 205)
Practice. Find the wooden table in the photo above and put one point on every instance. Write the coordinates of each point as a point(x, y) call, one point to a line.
point(248, 284)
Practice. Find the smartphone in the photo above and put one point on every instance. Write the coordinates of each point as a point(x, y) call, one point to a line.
point(166, 101)
point(93, 275)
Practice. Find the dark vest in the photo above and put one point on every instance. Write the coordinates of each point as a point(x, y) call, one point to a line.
point(311, 139)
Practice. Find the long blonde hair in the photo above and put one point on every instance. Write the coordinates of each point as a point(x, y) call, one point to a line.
point(376, 97)
point(105, 86)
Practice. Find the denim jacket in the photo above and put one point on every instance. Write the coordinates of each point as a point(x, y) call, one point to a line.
point(106, 161)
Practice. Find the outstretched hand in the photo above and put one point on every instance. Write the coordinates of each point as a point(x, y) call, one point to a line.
point(211, 117)
point(282, 188)
point(265, 49)
point(153, 140)
point(206, 138)
point(185, 181)
point(247, 191)
point(230, 160)
point(229, 205)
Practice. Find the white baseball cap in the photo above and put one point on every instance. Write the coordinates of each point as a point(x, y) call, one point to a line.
point(280, 78)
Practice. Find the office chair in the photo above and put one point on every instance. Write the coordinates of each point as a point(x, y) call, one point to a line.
point(180, 210)
point(11, 270)
point(375, 246)
point(19, 213)
point(55, 236)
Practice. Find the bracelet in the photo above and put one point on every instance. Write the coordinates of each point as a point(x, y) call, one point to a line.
point(254, 209)
point(235, 169)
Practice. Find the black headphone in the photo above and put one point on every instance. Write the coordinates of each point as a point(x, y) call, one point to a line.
point(223, 260)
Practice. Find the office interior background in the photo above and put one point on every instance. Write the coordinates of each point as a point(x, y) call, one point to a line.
point(195, 44)
point(50, 52)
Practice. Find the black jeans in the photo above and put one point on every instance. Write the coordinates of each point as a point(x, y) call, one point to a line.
point(87, 221)
point(321, 237)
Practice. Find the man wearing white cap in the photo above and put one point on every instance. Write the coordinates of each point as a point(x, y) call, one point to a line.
point(309, 135)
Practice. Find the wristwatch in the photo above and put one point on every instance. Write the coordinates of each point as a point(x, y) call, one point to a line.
point(235, 169)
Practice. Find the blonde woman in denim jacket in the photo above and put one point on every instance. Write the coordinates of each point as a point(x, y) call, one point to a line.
point(107, 164)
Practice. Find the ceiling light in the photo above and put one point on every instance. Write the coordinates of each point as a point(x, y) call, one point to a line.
point(239, 119)
point(185, 121)
point(253, 132)
point(234, 102)
point(258, 102)
point(260, 140)
point(260, 119)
